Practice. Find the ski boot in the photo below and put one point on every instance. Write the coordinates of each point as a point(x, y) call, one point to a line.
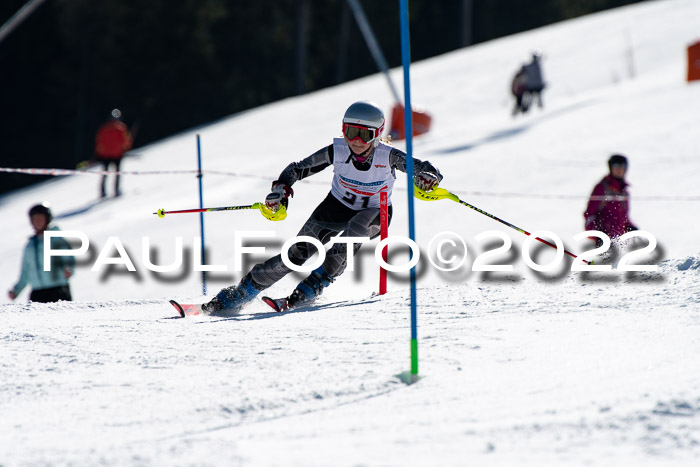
point(310, 288)
point(306, 291)
point(233, 298)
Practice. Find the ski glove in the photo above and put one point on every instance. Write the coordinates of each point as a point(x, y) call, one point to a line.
point(279, 196)
point(426, 181)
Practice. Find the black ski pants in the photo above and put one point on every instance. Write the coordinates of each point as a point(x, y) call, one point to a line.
point(329, 219)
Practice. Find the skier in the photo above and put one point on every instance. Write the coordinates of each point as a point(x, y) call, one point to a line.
point(534, 80)
point(363, 167)
point(113, 139)
point(518, 88)
point(47, 286)
point(608, 207)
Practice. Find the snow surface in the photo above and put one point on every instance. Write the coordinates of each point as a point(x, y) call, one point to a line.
point(517, 368)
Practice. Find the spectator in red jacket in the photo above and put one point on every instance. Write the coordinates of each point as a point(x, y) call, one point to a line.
point(112, 141)
point(608, 207)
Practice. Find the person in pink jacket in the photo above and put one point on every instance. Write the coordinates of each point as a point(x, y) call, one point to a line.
point(608, 207)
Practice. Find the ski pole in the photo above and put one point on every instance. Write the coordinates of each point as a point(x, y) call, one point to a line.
point(441, 193)
point(269, 214)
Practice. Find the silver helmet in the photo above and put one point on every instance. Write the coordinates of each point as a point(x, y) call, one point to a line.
point(366, 114)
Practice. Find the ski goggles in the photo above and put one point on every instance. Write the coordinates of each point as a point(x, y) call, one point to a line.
point(365, 134)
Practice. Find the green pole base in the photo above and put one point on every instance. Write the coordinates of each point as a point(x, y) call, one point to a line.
point(414, 356)
point(408, 377)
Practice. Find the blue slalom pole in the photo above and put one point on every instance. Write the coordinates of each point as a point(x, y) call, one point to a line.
point(201, 214)
point(408, 119)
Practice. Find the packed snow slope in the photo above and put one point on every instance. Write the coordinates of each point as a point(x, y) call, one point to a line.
point(518, 368)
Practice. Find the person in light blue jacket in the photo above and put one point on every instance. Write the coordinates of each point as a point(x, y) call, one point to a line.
point(47, 286)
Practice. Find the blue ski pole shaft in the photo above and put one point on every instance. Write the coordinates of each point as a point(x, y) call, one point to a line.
point(406, 60)
point(201, 213)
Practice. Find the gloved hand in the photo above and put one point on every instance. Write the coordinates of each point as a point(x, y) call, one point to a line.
point(279, 196)
point(426, 181)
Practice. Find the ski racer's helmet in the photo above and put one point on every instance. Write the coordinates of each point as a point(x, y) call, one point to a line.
point(617, 159)
point(42, 208)
point(363, 120)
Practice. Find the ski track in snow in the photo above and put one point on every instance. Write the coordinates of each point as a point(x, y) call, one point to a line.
point(545, 379)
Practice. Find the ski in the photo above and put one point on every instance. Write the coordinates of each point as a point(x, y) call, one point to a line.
point(282, 304)
point(277, 304)
point(187, 309)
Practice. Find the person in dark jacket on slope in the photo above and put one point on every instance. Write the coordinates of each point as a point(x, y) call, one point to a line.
point(609, 205)
point(535, 82)
point(518, 88)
